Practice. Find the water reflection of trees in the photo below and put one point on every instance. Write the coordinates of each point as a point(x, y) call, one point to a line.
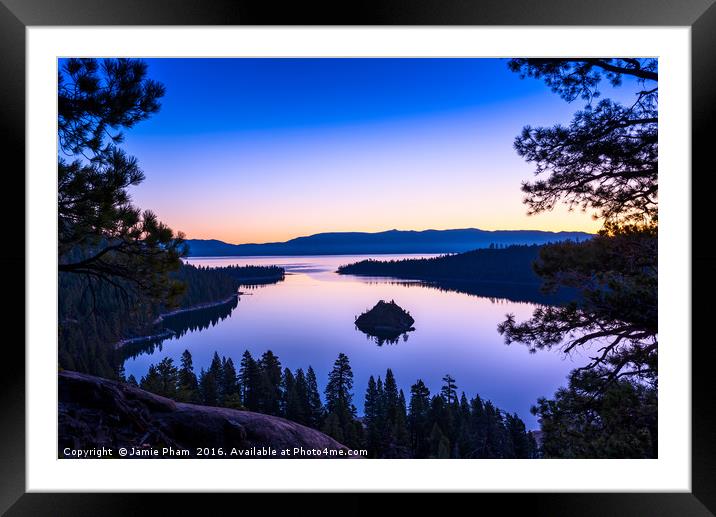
point(385, 338)
point(498, 293)
point(199, 319)
point(177, 325)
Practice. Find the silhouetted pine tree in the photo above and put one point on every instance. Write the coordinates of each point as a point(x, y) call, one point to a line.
point(519, 438)
point(495, 432)
point(151, 381)
point(161, 379)
point(371, 418)
point(316, 410)
point(187, 384)
point(394, 435)
point(291, 406)
point(270, 387)
point(208, 388)
point(211, 385)
point(339, 396)
point(418, 419)
point(339, 401)
point(229, 385)
point(462, 443)
point(449, 390)
point(249, 381)
point(303, 398)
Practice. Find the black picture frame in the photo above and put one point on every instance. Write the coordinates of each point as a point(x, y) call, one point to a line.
point(699, 15)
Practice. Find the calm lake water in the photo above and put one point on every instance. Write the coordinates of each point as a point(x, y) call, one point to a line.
point(307, 319)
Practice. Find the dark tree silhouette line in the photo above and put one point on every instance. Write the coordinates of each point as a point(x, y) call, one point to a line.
point(438, 426)
point(605, 161)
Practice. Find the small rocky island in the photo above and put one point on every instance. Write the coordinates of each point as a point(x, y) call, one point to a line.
point(385, 322)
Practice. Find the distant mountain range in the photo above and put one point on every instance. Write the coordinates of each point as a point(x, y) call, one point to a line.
point(388, 242)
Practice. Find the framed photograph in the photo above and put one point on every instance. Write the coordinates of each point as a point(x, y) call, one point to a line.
point(438, 245)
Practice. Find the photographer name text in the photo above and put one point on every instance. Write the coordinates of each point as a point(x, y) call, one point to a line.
point(210, 452)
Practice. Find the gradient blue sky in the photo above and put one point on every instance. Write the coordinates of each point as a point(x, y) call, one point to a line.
point(260, 150)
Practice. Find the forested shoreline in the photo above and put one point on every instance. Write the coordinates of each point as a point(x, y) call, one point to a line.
point(94, 317)
point(511, 264)
point(425, 425)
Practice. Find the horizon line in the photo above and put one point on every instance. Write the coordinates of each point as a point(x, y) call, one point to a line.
point(386, 231)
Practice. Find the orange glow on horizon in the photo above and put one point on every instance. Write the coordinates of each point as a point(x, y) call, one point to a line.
point(259, 234)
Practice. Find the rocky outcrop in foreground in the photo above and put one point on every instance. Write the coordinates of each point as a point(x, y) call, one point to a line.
point(96, 413)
